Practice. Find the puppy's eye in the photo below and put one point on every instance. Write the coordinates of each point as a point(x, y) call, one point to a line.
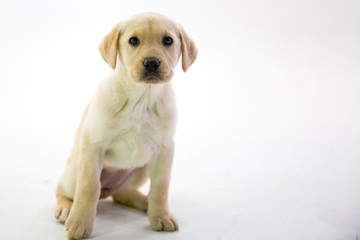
point(134, 41)
point(167, 41)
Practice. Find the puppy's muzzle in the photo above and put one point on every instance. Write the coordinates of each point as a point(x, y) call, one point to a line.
point(151, 64)
point(152, 73)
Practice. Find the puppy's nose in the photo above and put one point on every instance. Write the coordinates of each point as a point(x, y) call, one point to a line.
point(151, 64)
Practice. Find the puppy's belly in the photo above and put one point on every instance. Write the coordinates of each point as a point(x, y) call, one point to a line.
point(123, 157)
point(112, 179)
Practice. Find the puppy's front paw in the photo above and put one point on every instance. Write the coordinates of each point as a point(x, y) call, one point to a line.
point(166, 222)
point(79, 226)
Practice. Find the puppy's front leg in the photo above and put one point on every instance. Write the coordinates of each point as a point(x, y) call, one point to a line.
point(82, 214)
point(159, 215)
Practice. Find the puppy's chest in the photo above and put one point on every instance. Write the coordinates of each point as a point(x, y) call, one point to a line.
point(139, 132)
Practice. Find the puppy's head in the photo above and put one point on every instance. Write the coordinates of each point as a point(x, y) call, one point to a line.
point(148, 47)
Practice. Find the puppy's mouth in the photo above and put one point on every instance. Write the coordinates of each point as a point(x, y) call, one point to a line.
point(152, 78)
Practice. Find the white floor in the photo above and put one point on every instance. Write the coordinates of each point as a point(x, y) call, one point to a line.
point(268, 138)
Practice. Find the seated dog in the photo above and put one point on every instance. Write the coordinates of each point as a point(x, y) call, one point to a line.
point(126, 132)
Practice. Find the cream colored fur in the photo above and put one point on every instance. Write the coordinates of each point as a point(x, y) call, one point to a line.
point(126, 132)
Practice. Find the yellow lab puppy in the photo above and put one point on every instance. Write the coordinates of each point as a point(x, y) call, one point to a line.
point(126, 132)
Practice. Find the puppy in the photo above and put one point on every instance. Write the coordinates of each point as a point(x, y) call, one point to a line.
point(126, 132)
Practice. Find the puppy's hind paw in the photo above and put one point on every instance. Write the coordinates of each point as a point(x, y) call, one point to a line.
point(62, 214)
point(63, 209)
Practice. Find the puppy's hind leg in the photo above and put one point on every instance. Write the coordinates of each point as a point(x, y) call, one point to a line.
point(129, 195)
point(63, 206)
point(64, 200)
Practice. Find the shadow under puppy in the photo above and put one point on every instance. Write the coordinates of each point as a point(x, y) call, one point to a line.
point(126, 132)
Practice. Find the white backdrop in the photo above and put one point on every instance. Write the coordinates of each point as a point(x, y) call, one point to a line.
point(268, 137)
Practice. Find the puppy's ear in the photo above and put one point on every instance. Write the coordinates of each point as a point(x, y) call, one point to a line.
point(188, 50)
point(109, 46)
